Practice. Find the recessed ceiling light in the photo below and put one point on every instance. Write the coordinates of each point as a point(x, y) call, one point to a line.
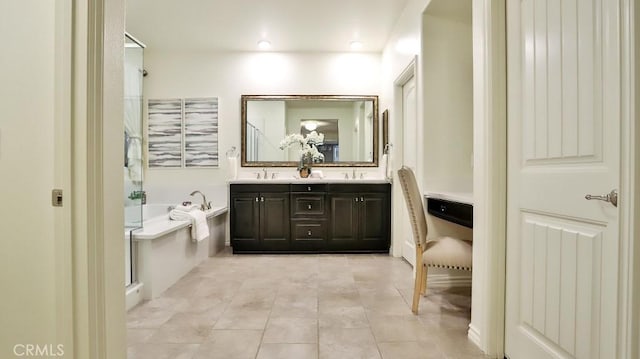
point(310, 125)
point(355, 45)
point(264, 45)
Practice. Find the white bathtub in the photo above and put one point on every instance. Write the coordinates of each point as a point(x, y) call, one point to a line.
point(165, 251)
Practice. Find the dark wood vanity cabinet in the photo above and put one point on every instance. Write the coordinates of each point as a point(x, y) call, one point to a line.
point(360, 220)
point(260, 219)
point(301, 218)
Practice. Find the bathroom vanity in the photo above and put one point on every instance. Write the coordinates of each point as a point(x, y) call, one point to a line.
point(302, 216)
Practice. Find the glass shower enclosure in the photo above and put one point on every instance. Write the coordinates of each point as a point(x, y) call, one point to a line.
point(134, 195)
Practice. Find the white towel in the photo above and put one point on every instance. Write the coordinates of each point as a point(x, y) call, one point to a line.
point(198, 219)
point(187, 208)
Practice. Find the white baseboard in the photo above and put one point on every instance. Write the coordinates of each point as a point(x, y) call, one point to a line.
point(474, 335)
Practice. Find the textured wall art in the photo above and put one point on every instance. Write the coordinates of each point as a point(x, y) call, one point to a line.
point(165, 133)
point(183, 133)
point(201, 132)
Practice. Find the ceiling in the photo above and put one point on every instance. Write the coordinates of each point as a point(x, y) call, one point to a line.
point(238, 25)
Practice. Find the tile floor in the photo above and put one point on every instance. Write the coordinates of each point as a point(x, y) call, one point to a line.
point(301, 307)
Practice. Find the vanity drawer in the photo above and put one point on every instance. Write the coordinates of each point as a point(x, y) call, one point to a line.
point(297, 187)
point(308, 235)
point(456, 212)
point(308, 205)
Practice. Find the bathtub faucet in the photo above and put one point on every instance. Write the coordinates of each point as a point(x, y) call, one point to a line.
point(205, 205)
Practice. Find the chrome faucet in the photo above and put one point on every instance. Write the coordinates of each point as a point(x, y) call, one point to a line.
point(205, 205)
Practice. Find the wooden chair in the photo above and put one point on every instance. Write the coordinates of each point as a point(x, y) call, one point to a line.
point(441, 252)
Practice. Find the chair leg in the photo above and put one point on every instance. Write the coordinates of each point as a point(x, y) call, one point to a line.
point(416, 290)
point(423, 284)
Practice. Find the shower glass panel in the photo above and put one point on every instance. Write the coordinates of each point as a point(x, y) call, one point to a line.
point(134, 195)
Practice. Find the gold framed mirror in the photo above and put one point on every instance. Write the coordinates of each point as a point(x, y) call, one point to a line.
point(348, 125)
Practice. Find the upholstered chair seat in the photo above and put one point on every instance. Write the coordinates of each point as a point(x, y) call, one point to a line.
point(441, 252)
point(448, 252)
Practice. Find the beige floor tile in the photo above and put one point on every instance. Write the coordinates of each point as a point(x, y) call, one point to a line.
point(253, 299)
point(339, 298)
point(288, 351)
point(148, 317)
point(192, 334)
point(243, 319)
point(386, 306)
point(291, 330)
point(456, 344)
point(230, 344)
point(138, 336)
point(205, 304)
point(299, 306)
point(194, 319)
point(410, 350)
point(162, 351)
point(398, 328)
point(347, 343)
point(342, 317)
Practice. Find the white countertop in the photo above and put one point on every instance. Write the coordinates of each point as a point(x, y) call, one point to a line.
point(307, 180)
point(462, 197)
point(159, 227)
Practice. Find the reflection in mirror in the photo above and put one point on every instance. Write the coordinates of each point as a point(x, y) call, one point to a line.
point(348, 123)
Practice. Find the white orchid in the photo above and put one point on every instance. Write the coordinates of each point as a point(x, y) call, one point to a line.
point(308, 143)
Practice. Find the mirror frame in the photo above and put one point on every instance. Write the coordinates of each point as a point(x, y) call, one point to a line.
point(243, 129)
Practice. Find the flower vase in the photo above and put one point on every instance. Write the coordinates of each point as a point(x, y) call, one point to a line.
point(305, 167)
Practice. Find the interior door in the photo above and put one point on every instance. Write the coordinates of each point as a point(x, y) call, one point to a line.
point(34, 237)
point(409, 156)
point(564, 143)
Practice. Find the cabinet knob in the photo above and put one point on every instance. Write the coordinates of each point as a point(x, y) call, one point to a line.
point(361, 199)
point(309, 233)
point(309, 206)
point(309, 188)
point(261, 199)
point(356, 199)
point(256, 199)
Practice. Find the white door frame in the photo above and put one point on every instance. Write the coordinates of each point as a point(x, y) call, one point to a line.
point(489, 176)
point(396, 155)
point(629, 268)
point(95, 197)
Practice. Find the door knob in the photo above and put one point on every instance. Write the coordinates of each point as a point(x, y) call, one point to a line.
point(611, 197)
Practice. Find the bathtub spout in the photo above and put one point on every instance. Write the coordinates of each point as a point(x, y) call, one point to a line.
point(205, 205)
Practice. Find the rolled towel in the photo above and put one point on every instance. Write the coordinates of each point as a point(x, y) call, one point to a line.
point(187, 208)
point(198, 219)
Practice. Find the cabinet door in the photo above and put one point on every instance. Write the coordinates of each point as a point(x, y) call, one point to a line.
point(274, 221)
point(343, 233)
point(374, 221)
point(245, 221)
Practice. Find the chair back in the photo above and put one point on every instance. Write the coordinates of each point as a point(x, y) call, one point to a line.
point(414, 205)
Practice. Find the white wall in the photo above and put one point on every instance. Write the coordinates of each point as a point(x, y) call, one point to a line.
point(230, 75)
point(448, 100)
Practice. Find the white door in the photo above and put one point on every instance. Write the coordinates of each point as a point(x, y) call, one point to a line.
point(34, 258)
point(409, 158)
point(564, 142)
